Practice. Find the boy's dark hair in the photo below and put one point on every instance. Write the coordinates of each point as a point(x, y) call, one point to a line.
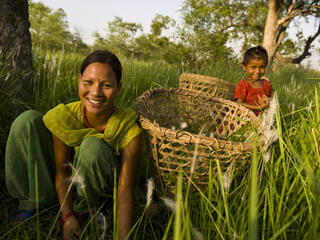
point(257, 53)
point(103, 56)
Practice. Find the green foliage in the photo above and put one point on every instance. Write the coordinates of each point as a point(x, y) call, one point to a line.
point(123, 40)
point(120, 37)
point(160, 23)
point(10, 103)
point(158, 45)
point(229, 19)
point(50, 29)
point(242, 21)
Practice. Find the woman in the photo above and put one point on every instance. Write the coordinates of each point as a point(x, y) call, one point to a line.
point(80, 144)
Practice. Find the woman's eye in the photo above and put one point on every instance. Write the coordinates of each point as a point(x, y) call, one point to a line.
point(88, 82)
point(106, 85)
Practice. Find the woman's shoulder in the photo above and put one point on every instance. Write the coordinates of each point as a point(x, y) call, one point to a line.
point(124, 115)
point(75, 107)
point(64, 111)
point(123, 126)
point(125, 110)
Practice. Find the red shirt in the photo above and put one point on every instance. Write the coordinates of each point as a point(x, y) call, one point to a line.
point(250, 95)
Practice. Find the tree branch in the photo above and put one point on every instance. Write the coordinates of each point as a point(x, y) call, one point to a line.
point(307, 47)
point(242, 24)
point(288, 15)
point(302, 11)
point(304, 54)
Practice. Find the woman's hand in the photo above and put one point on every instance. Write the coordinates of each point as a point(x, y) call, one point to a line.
point(71, 227)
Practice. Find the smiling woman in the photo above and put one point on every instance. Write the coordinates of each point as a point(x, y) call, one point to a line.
point(98, 89)
point(86, 141)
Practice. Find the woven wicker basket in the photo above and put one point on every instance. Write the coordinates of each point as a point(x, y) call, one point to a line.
point(207, 85)
point(188, 130)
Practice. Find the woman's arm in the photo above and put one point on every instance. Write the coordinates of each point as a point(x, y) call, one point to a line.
point(126, 185)
point(62, 155)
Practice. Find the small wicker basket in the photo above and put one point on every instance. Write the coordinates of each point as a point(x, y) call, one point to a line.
point(207, 85)
point(188, 131)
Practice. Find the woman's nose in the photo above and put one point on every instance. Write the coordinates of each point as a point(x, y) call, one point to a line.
point(96, 90)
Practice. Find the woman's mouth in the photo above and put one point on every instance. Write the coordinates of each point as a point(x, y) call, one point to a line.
point(95, 101)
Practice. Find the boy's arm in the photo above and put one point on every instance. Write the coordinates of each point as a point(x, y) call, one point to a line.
point(262, 104)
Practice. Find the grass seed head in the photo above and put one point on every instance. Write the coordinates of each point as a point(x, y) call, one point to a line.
point(150, 191)
point(169, 203)
point(197, 234)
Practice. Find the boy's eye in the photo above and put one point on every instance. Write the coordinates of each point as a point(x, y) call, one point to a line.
point(107, 85)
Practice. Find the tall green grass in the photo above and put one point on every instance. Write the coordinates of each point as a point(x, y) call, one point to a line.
point(276, 197)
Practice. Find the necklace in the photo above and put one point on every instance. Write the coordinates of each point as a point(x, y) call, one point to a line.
point(86, 122)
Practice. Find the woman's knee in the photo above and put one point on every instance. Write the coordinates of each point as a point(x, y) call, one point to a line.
point(25, 120)
point(93, 150)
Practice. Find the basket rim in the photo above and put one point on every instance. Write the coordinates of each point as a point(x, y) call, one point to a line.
point(187, 137)
point(208, 79)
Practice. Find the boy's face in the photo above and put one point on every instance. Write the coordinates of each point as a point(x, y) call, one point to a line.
point(255, 69)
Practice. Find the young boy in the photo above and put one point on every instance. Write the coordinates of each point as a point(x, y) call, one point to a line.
point(255, 90)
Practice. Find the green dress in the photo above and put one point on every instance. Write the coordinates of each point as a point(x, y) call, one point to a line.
point(29, 159)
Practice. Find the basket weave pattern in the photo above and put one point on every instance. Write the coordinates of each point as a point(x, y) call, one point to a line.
point(207, 85)
point(188, 131)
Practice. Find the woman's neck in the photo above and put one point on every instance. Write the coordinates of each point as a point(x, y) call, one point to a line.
point(99, 121)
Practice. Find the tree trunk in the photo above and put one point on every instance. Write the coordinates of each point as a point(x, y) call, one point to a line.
point(271, 30)
point(15, 39)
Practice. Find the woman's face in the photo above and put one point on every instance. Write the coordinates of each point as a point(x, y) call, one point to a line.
point(98, 88)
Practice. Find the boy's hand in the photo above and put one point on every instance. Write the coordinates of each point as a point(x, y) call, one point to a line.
point(263, 102)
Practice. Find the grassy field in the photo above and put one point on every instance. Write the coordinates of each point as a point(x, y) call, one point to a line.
point(276, 198)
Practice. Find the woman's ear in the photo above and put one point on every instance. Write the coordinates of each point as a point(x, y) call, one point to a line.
point(119, 88)
point(244, 67)
point(79, 77)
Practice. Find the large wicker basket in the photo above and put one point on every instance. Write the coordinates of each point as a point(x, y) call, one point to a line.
point(207, 85)
point(188, 131)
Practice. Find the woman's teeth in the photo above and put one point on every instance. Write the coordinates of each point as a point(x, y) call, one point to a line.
point(94, 101)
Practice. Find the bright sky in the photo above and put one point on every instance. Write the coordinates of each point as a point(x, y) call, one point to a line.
point(93, 15)
point(89, 16)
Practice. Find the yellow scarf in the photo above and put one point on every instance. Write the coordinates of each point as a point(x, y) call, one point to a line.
point(66, 122)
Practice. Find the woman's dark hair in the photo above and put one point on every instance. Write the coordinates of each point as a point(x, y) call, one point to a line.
point(103, 56)
point(255, 53)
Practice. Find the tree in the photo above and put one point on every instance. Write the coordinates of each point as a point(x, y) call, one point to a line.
point(254, 22)
point(15, 41)
point(120, 37)
point(199, 35)
point(155, 45)
point(280, 15)
point(50, 29)
point(14, 35)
